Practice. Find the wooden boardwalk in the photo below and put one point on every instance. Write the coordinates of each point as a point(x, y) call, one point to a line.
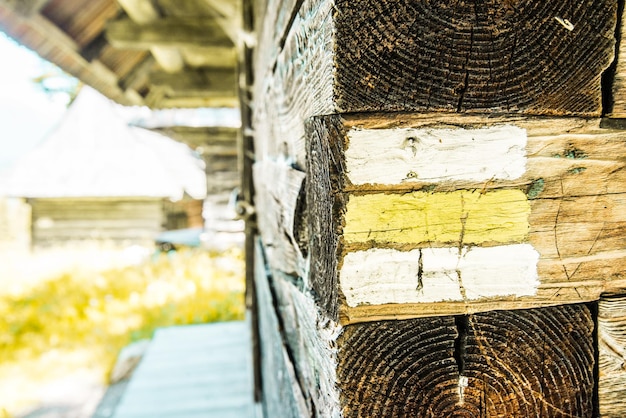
point(191, 372)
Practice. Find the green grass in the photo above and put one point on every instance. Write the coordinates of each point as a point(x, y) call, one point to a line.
point(86, 316)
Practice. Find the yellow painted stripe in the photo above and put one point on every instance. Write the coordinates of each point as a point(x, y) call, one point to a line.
point(419, 217)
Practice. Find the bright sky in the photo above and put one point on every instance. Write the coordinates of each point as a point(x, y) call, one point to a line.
point(26, 113)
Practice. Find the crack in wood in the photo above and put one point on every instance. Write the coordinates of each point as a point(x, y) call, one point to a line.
point(465, 86)
point(420, 271)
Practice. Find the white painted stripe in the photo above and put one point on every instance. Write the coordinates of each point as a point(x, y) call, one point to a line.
point(378, 276)
point(394, 156)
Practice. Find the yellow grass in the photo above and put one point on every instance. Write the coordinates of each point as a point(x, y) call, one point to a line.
point(78, 318)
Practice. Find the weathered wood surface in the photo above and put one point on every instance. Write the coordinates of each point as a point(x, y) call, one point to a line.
point(278, 189)
point(282, 396)
point(273, 19)
point(612, 355)
point(345, 56)
point(616, 107)
point(296, 83)
point(526, 363)
point(311, 339)
point(470, 234)
point(531, 56)
point(520, 211)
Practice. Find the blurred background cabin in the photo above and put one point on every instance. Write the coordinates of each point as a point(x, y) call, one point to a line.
point(96, 178)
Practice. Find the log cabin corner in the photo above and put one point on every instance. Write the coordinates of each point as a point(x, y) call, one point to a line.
point(435, 192)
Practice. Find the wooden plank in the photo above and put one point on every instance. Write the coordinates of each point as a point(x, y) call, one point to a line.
point(532, 363)
point(273, 19)
point(282, 396)
point(278, 197)
point(126, 34)
point(311, 339)
point(543, 229)
point(140, 11)
point(288, 92)
point(612, 355)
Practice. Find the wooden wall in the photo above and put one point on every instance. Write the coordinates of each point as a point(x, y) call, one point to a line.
point(440, 195)
point(120, 221)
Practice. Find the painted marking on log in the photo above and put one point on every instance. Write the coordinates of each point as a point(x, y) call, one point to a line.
point(393, 156)
point(459, 217)
point(380, 276)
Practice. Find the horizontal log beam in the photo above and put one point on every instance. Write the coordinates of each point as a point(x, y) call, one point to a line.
point(194, 83)
point(25, 8)
point(143, 12)
point(140, 11)
point(157, 100)
point(210, 57)
point(527, 363)
point(230, 20)
point(209, 138)
point(452, 215)
point(127, 34)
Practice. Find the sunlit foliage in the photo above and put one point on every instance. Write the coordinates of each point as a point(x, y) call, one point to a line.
point(86, 316)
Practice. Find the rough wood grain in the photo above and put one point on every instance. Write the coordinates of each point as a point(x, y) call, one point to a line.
point(294, 80)
point(569, 206)
point(616, 107)
point(612, 355)
point(282, 396)
point(311, 339)
point(343, 56)
point(474, 55)
point(273, 21)
point(532, 363)
point(278, 187)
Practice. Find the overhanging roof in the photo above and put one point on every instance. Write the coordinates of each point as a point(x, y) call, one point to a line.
point(159, 53)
